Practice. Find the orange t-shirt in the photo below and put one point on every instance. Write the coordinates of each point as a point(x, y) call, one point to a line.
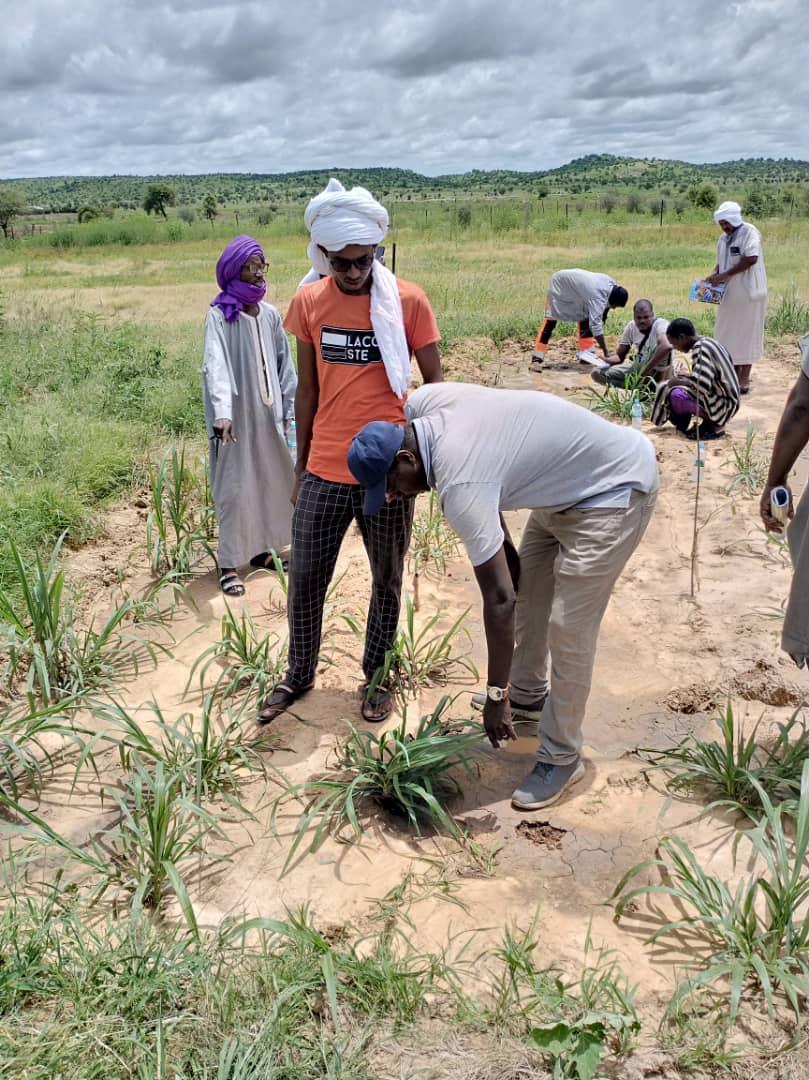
point(352, 385)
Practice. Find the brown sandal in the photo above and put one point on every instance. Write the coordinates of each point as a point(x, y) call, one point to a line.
point(376, 705)
point(279, 700)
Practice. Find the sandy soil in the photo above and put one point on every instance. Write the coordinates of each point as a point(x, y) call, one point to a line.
point(666, 660)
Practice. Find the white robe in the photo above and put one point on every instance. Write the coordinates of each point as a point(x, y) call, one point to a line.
point(249, 378)
point(741, 315)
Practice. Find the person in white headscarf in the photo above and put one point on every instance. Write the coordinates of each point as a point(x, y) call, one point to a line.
point(741, 314)
point(356, 329)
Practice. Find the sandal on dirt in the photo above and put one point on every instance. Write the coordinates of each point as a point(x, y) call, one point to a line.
point(264, 561)
point(376, 705)
point(231, 584)
point(703, 434)
point(279, 700)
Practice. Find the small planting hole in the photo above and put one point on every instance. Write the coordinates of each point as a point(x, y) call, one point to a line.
point(541, 833)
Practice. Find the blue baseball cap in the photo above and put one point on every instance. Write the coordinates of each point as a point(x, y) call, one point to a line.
point(370, 457)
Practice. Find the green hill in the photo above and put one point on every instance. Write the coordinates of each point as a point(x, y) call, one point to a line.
point(595, 173)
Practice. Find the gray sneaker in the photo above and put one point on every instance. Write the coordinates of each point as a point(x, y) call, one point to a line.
point(545, 784)
point(518, 712)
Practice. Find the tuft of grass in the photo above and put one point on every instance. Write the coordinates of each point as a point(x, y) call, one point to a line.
point(208, 755)
point(572, 1021)
point(732, 771)
point(422, 658)
point(406, 773)
point(179, 523)
point(43, 644)
point(432, 543)
point(161, 829)
point(24, 756)
point(790, 315)
point(757, 936)
point(749, 465)
point(247, 660)
point(616, 402)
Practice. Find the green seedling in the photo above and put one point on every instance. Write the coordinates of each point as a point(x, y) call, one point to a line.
point(407, 773)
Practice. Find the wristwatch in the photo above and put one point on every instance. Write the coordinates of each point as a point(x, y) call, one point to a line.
point(497, 693)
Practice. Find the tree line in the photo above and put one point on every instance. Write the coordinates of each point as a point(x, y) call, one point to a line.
point(764, 186)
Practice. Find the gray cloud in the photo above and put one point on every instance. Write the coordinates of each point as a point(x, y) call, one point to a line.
point(439, 86)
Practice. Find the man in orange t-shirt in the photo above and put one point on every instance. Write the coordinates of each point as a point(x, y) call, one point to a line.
point(355, 329)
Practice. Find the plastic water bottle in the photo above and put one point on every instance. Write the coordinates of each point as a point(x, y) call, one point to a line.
point(637, 414)
point(699, 461)
point(779, 504)
point(292, 439)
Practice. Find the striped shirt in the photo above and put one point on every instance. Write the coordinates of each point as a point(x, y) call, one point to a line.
point(712, 383)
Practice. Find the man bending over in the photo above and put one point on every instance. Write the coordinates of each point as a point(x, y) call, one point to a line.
point(591, 487)
point(582, 297)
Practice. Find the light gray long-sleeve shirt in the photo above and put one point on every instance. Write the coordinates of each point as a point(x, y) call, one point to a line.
point(574, 295)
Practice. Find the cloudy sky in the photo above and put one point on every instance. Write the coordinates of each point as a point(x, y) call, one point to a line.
point(134, 86)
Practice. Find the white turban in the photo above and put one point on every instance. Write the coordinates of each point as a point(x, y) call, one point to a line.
point(337, 218)
point(730, 212)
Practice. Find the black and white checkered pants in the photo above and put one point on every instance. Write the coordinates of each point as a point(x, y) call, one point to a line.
point(322, 515)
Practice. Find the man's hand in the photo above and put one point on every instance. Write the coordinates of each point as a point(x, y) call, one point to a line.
point(613, 358)
point(223, 429)
point(293, 497)
point(497, 721)
point(717, 279)
point(772, 524)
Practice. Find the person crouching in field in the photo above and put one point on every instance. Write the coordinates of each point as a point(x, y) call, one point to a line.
point(582, 297)
point(249, 387)
point(356, 329)
point(710, 392)
point(591, 487)
point(652, 360)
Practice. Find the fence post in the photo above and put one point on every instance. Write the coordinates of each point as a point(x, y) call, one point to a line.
point(662, 204)
point(393, 267)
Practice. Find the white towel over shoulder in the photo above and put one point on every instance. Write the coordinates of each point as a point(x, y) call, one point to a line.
point(337, 218)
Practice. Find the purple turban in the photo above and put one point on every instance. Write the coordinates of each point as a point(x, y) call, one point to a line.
point(235, 292)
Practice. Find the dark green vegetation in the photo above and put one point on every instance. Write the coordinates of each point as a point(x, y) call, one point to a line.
point(593, 173)
point(81, 401)
point(274, 999)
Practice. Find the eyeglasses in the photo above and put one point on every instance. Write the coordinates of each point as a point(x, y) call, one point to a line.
point(255, 267)
point(342, 265)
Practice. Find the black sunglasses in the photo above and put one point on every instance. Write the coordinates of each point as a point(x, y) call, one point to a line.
point(342, 265)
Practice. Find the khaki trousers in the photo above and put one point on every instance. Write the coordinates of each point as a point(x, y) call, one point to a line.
point(570, 562)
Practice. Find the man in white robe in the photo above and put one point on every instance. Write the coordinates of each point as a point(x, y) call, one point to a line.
point(740, 267)
point(249, 385)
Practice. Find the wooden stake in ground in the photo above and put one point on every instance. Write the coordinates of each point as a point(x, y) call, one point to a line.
point(699, 464)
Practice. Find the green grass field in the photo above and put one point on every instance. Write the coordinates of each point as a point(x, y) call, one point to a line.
point(100, 355)
point(100, 342)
